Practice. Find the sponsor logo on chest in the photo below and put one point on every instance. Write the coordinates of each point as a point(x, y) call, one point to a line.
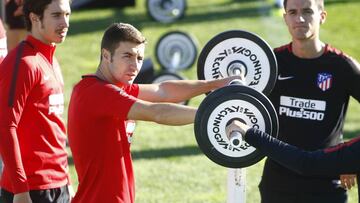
point(56, 104)
point(302, 108)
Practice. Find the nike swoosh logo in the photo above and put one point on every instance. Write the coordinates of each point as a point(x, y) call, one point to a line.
point(284, 78)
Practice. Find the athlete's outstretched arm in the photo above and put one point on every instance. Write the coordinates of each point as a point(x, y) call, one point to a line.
point(341, 159)
point(180, 90)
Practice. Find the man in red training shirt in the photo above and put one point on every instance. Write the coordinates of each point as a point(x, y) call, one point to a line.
point(32, 131)
point(101, 106)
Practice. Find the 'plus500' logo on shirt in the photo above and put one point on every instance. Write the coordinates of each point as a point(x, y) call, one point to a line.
point(56, 104)
point(302, 108)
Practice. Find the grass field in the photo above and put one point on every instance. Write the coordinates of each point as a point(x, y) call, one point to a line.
point(169, 167)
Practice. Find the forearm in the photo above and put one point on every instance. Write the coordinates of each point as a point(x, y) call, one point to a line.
point(320, 162)
point(11, 155)
point(173, 114)
point(162, 113)
point(180, 90)
point(176, 91)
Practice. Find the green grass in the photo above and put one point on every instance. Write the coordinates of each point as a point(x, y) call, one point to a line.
point(169, 167)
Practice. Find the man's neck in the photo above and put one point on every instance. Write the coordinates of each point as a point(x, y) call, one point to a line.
point(35, 34)
point(308, 49)
point(103, 73)
point(100, 74)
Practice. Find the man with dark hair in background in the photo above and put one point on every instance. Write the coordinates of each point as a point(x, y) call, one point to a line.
point(32, 131)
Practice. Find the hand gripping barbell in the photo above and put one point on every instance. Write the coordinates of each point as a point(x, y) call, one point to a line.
point(218, 109)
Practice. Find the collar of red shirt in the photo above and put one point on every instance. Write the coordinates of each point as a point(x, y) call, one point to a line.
point(47, 50)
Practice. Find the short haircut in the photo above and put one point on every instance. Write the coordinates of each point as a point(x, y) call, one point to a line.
point(320, 4)
point(120, 32)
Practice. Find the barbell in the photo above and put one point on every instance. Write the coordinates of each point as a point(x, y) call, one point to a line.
point(166, 11)
point(176, 51)
point(222, 106)
point(236, 52)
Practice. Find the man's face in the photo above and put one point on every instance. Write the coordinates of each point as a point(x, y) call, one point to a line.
point(126, 62)
point(53, 27)
point(303, 18)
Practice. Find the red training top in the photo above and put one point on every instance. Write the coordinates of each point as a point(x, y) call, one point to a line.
point(99, 143)
point(32, 131)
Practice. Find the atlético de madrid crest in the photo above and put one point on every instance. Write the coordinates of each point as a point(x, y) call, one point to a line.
point(324, 81)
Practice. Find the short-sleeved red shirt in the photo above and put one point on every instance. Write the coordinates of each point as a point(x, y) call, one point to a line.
point(98, 140)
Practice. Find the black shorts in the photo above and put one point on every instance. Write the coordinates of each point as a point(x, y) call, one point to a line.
point(273, 196)
point(56, 195)
point(13, 22)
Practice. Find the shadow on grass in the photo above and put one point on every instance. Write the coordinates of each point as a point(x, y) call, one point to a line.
point(100, 24)
point(142, 20)
point(214, 16)
point(166, 152)
point(351, 134)
point(328, 2)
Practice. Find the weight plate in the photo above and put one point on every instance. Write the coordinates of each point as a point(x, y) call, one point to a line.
point(236, 51)
point(176, 51)
point(268, 105)
point(215, 112)
point(166, 11)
